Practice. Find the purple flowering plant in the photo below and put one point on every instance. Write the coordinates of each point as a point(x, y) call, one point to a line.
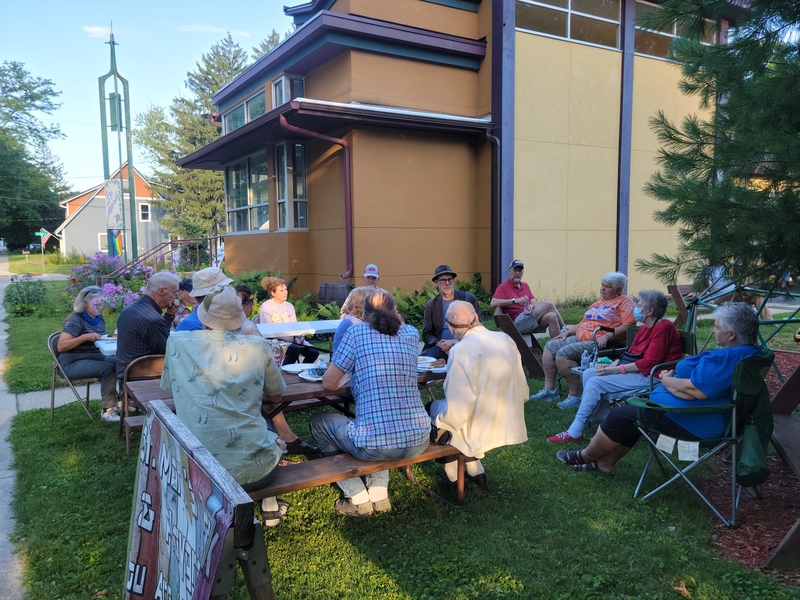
point(125, 288)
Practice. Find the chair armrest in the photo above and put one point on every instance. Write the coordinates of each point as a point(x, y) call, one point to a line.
point(663, 365)
point(650, 404)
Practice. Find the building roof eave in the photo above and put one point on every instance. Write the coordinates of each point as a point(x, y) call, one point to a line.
point(322, 116)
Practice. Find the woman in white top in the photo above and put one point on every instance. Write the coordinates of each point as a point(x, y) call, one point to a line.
point(278, 310)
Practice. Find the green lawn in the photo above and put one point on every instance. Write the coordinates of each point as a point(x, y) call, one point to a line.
point(32, 263)
point(541, 531)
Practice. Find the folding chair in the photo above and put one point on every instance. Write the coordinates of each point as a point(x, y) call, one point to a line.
point(750, 396)
point(52, 345)
point(144, 367)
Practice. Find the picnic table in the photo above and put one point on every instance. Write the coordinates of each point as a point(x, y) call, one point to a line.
point(278, 330)
point(299, 394)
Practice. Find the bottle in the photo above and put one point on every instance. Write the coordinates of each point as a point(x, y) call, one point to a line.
point(585, 360)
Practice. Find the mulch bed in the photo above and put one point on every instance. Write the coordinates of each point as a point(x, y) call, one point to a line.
point(762, 523)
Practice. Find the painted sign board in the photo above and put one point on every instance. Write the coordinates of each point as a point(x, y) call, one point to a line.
point(184, 504)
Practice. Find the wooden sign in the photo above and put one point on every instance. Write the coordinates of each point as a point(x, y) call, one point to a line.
point(185, 502)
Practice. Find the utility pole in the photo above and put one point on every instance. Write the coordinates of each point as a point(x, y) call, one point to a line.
point(112, 109)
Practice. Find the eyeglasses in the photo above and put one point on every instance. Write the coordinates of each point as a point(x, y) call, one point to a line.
point(173, 292)
point(454, 326)
point(444, 280)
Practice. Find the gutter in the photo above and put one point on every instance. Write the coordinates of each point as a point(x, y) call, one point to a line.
point(348, 200)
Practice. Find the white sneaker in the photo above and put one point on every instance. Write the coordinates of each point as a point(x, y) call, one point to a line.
point(110, 415)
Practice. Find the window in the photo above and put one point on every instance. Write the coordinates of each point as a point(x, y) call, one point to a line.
point(144, 213)
point(594, 22)
point(247, 191)
point(102, 241)
point(657, 42)
point(256, 106)
point(290, 180)
point(287, 88)
point(233, 119)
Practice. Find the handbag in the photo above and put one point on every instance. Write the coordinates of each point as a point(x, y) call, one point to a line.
point(628, 358)
point(751, 461)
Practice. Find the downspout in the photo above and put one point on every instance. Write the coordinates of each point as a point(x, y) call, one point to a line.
point(348, 200)
point(496, 210)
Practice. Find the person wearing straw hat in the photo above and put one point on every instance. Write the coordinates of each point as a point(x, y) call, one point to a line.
point(78, 354)
point(217, 379)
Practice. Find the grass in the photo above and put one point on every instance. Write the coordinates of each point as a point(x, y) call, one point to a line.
point(32, 263)
point(540, 531)
point(29, 365)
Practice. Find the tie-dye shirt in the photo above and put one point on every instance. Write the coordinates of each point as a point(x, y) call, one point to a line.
point(607, 313)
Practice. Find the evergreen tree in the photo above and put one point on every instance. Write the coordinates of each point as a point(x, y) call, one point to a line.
point(268, 44)
point(194, 199)
point(731, 181)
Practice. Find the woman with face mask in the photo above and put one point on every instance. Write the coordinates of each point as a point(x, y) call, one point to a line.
point(656, 342)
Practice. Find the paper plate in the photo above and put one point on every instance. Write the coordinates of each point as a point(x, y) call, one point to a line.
point(297, 367)
point(425, 360)
point(308, 376)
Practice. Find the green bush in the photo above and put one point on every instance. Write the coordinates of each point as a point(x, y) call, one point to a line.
point(73, 257)
point(25, 291)
point(253, 279)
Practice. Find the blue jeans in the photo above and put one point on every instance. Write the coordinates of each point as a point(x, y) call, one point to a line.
point(80, 365)
point(330, 434)
point(594, 387)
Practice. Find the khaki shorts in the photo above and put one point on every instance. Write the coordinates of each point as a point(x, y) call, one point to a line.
point(569, 349)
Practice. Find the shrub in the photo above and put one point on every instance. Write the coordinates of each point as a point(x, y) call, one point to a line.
point(73, 257)
point(253, 279)
point(25, 291)
point(101, 264)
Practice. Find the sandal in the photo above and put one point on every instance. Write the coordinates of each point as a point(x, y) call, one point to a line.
point(592, 466)
point(571, 457)
point(298, 446)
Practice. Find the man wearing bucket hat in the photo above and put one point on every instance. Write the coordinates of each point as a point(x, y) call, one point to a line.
point(437, 338)
point(204, 282)
point(217, 379)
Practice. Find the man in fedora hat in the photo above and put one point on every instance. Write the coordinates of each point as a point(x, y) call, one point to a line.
point(217, 379)
point(437, 338)
point(204, 282)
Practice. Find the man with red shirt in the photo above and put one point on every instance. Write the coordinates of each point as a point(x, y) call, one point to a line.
point(517, 300)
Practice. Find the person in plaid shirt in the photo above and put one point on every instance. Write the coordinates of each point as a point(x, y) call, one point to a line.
point(380, 355)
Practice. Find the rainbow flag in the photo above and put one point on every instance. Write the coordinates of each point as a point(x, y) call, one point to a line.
point(115, 240)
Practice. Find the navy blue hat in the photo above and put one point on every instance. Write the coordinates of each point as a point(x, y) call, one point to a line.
point(516, 264)
point(443, 270)
point(185, 285)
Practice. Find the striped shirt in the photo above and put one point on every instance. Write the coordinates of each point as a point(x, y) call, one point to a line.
point(389, 412)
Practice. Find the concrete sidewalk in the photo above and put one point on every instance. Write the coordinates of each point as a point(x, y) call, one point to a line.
point(11, 587)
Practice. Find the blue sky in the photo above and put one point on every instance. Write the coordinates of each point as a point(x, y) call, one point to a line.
point(159, 42)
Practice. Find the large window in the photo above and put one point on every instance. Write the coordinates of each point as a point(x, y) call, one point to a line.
point(233, 119)
point(593, 22)
point(252, 108)
point(657, 42)
point(246, 186)
point(290, 183)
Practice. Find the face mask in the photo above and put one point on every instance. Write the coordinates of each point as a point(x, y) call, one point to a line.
point(638, 315)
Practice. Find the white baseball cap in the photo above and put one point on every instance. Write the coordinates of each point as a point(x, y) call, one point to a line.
point(371, 271)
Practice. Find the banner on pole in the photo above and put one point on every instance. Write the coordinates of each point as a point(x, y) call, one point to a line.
point(113, 204)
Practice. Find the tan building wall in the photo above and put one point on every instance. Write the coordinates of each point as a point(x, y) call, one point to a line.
point(413, 13)
point(655, 87)
point(417, 199)
point(330, 81)
point(566, 154)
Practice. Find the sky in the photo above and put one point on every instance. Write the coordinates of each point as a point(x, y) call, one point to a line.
point(159, 43)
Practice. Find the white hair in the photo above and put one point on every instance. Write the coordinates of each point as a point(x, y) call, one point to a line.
point(616, 280)
point(162, 279)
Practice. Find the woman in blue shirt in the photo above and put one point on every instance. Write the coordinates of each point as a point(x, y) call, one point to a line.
point(700, 380)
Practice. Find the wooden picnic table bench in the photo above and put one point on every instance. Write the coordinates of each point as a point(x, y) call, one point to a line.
point(330, 469)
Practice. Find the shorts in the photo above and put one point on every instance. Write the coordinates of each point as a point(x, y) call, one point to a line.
point(569, 349)
point(620, 425)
